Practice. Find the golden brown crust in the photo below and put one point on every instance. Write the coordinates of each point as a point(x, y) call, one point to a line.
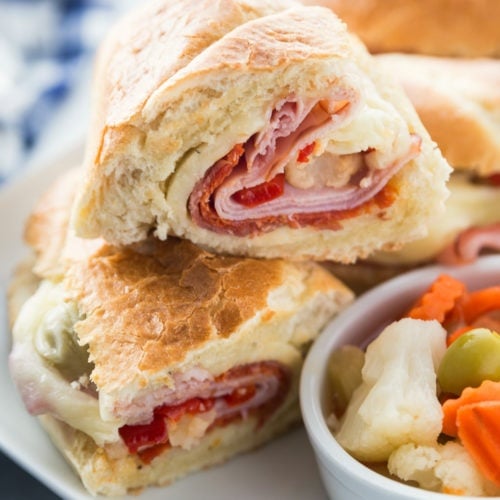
point(273, 42)
point(458, 101)
point(171, 300)
point(467, 28)
point(145, 49)
point(45, 229)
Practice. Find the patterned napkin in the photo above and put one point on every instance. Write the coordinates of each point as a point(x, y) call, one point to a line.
point(44, 46)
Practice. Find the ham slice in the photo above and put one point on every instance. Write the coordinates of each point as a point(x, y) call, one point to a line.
point(294, 124)
point(468, 245)
point(269, 381)
point(44, 390)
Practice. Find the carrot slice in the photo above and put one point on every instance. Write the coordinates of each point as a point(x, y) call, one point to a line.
point(480, 302)
point(439, 300)
point(487, 391)
point(479, 430)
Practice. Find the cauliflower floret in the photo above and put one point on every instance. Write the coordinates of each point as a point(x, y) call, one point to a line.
point(446, 468)
point(396, 403)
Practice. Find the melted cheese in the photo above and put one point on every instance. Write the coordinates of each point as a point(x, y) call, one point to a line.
point(42, 341)
point(189, 429)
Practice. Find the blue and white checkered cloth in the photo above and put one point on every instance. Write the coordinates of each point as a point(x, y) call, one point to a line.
point(44, 45)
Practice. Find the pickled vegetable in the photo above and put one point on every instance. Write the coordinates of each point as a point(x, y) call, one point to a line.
point(481, 302)
point(439, 300)
point(478, 430)
point(487, 391)
point(470, 359)
point(344, 374)
point(396, 402)
point(427, 407)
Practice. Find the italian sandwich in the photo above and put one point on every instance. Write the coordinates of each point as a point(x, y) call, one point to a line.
point(458, 101)
point(276, 135)
point(147, 363)
point(450, 28)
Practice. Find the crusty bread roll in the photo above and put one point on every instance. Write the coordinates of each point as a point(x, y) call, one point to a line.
point(149, 363)
point(469, 227)
point(472, 214)
point(466, 28)
point(458, 101)
point(280, 139)
point(109, 476)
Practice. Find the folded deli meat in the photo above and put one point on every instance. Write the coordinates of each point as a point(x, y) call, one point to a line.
point(274, 134)
point(147, 363)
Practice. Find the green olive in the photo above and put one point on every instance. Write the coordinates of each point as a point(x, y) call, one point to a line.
point(472, 358)
point(344, 374)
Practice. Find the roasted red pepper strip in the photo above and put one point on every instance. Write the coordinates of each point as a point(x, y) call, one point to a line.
point(149, 440)
point(305, 153)
point(146, 435)
point(262, 193)
point(143, 436)
point(494, 179)
point(191, 406)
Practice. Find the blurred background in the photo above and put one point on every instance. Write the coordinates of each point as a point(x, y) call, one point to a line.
point(46, 53)
point(47, 49)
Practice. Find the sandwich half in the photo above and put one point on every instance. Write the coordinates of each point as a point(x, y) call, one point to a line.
point(281, 138)
point(453, 28)
point(458, 101)
point(145, 364)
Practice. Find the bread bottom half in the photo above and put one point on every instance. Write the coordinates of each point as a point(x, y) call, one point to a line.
point(103, 474)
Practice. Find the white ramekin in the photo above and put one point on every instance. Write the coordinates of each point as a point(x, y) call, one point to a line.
point(344, 477)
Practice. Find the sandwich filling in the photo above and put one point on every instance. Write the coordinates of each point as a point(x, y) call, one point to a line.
point(200, 402)
point(472, 241)
point(469, 227)
point(290, 174)
point(54, 376)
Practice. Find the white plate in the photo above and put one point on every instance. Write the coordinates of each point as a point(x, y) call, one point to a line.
point(284, 469)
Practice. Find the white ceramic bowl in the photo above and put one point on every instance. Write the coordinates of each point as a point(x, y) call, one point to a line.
point(344, 477)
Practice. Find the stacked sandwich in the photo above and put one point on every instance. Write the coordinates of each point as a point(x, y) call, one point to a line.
point(446, 53)
point(162, 325)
